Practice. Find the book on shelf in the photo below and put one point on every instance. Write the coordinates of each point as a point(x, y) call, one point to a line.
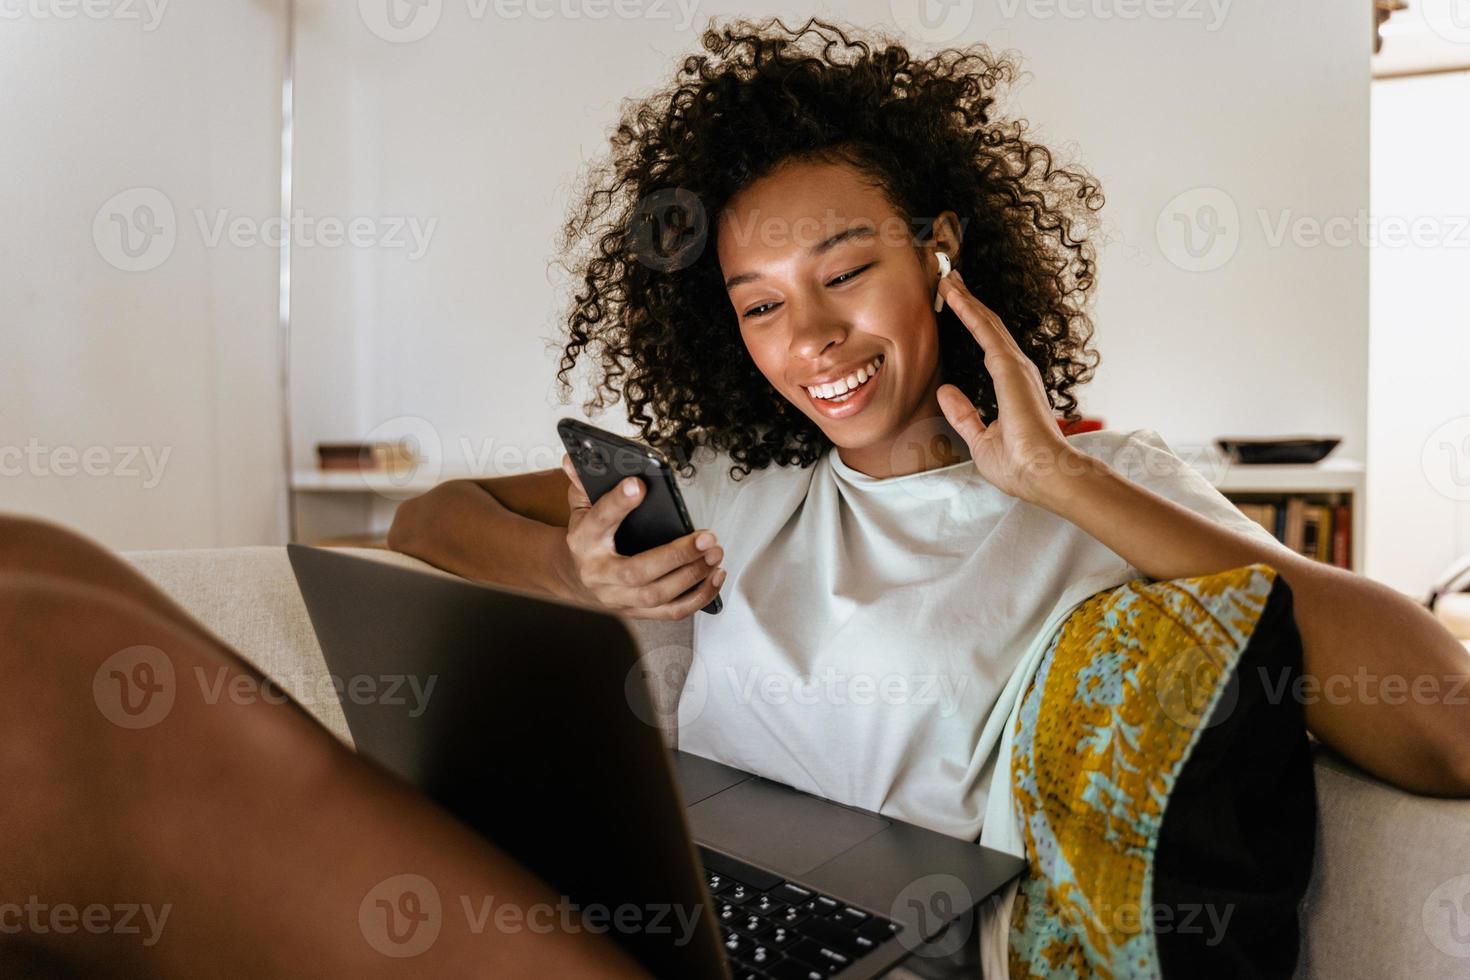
point(1317, 526)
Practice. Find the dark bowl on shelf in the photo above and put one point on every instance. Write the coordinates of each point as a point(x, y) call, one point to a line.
point(1310, 449)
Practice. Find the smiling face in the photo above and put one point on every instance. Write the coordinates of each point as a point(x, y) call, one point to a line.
point(827, 286)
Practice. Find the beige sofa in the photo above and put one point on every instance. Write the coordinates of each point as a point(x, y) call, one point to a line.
point(1390, 896)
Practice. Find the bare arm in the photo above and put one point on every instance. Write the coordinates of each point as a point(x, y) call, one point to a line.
point(509, 530)
point(1388, 684)
point(539, 531)
point(1385, 683)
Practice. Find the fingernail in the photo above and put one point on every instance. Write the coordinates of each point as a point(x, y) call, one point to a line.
point(718, 578)
point(630, 486)
point(704, 541)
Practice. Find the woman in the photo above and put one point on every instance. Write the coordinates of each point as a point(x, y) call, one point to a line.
point(887, 489)
point(927, 521)
point(892, 549)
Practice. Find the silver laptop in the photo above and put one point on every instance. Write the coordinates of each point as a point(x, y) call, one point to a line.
point(514, 712)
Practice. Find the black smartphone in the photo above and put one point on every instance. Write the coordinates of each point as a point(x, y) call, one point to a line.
point(603, 460)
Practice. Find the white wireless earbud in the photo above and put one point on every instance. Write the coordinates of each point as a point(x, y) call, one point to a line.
point(944, 268)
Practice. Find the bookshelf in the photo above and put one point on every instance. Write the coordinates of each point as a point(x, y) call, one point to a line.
point(1333, 483)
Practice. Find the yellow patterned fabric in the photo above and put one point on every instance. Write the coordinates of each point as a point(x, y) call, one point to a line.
point(1106, 726)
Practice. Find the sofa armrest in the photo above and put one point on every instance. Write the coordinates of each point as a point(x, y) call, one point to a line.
point(1390, 892)
point(248, 598)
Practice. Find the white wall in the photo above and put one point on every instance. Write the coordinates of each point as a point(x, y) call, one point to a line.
point(1419, 392)
point(483, 123)
point(477, 133)
point(139, 406)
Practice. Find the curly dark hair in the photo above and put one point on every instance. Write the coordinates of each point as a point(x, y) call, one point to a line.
point(655, 310)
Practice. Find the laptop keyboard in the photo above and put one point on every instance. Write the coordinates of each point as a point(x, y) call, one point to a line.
point(774, 929)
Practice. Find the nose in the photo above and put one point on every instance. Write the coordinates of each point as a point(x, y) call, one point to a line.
point(815, 330)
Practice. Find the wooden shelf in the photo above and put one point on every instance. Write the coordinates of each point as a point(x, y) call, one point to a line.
point(349, 481)
point(1328, 476)
point(1330, 481)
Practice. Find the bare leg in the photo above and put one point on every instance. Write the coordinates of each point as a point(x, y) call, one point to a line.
point(246, 840)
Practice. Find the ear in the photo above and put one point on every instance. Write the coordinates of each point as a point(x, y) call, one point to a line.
point(946, 238)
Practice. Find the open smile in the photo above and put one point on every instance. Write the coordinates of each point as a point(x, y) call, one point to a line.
point(847, 396)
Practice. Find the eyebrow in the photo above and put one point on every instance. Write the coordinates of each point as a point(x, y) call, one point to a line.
point(826, 245)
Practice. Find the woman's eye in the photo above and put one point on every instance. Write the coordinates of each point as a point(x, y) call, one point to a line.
point(762, 309)
point(846, 276)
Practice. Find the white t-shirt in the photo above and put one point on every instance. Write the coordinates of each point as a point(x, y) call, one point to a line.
point(870, 626)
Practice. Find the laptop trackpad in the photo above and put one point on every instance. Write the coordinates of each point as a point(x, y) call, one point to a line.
point(783, 829)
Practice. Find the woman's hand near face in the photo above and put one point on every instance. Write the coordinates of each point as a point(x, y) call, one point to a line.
point(1021, 449)
point(649, 585)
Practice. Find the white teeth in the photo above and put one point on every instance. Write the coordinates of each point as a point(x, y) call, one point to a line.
point(836, 390)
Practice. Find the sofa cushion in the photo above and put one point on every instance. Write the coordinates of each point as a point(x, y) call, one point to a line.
point(1166, 800)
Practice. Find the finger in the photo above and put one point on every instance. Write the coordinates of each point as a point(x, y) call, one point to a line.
point(655, 562)
point(963, 416)
point(576, 493)
point(672, 585)
point(610, 509)
point(688, 605)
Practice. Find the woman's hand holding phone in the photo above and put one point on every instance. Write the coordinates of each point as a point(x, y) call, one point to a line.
point(648, 585)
